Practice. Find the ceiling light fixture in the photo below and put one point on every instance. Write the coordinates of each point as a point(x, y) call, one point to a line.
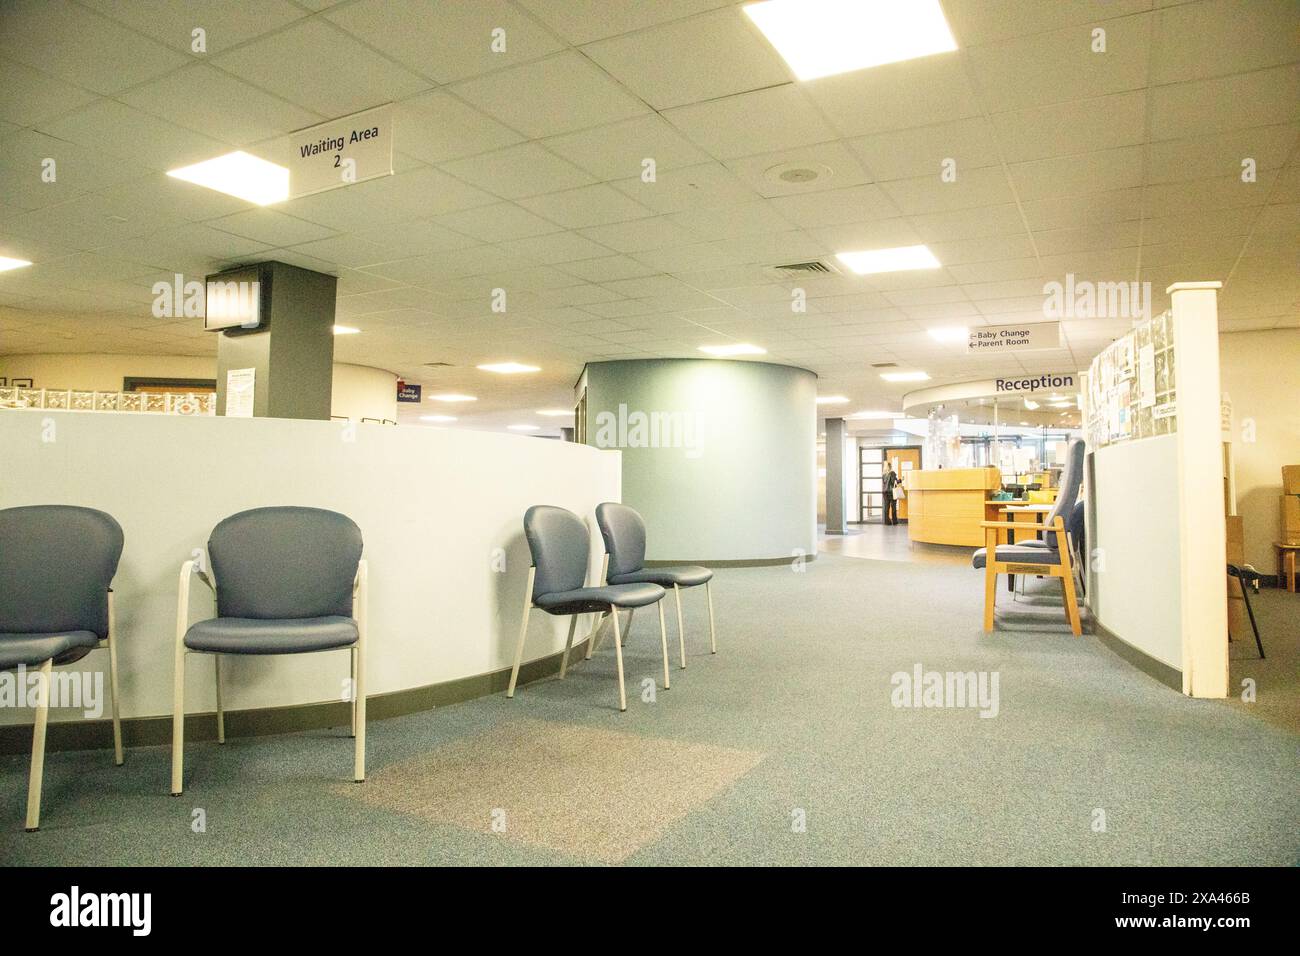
point(824, 37)
point(951, 335)
point(832, 399)
point(524, 428)
point(437, 418)
point(508, 368)
point(557, 412)
point(899, 259)
point(452, 397)
point(740, 348)
point(241, 175)
point(6, 263)
point(904, 376)
point(345, 330)
point(876, 414)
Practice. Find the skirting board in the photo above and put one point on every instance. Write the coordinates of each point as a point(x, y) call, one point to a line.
point(747, 563)
point(1170, 676)
point(156, 731)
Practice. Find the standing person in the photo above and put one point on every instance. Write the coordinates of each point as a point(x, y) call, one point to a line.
point(891, 504)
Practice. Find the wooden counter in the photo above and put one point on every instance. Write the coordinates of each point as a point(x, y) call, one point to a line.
point(946, 506)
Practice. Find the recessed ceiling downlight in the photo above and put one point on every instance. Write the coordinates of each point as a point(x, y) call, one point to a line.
point(797, 174)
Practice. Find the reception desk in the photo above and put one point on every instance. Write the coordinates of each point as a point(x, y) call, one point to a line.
point(440, 511)
point(946, 506)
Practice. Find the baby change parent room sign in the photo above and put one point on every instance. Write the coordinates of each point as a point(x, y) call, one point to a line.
point(341, 152)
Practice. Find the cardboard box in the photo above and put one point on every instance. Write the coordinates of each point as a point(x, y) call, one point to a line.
point(1291, 479)
point(1290, 518)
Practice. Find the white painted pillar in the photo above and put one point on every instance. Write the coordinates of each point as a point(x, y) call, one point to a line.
point(1203, 538)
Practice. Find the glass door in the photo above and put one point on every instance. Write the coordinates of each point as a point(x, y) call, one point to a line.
point(871, 466)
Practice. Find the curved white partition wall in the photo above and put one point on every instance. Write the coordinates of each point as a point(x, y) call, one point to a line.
point(720, 456)
point(441, 513)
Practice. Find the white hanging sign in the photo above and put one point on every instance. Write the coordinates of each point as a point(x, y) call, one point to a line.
point(1024, 337)
point(341, 152)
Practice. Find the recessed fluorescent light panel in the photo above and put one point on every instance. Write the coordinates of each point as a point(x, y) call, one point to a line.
point(904, 376)
point(900, 259)
point(952, 335)
point(740, 348)
point(875, 415)
point(824, 37)
point(556, 412)
point(345, 330)
point(438, 418)
point(831, 399)
point(241, 175)
point(6, 263)
point(452, 397)
point(508, 368)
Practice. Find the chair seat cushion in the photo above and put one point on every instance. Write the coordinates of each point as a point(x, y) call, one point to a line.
point(1018, 554)
point(34, 649)
point(246, 635)
point(684, 577)
point(584, 600)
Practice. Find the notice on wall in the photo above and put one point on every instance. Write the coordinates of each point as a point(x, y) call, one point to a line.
point(341, 152)
point(1022, 337)
point(1147, 376)
point(241, 386)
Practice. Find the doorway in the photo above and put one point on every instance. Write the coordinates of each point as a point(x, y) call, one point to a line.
point(871, 470)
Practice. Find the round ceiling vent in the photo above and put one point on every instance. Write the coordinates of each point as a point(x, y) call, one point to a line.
point(798, 174)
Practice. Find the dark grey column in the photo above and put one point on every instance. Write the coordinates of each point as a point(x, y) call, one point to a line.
point(835, 432)
point(293, 354)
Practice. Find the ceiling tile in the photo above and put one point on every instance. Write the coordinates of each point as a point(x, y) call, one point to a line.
point(447, 41)
point(933, 89)
point(557, 95)
point(497, 222)
point(676, 190)
point(586, 206)
point(1263, 98)
point(1071, 175)
point(902, 154)
point(332, 73)
point(519, 171)
point(1218, 37)
point(763, 121)
point(1062, 129)
point(115, 128)
point(619, 150)
point(700, 58)
point(581, 21)
point(986, 186)
point(172, 22)
point(437, 127)
point(855, 204)
point(271, 227)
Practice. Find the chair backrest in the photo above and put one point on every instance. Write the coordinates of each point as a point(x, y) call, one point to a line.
point(1076, 527)
point(559, 544)
point(284, 563)
point(56, 565)
point(1071, 480)
point(624, 532)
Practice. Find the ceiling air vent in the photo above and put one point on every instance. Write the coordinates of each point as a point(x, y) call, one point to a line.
point(884, 365)
point(816, 267)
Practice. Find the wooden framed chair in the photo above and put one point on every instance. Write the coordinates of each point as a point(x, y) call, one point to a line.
point(1053, 560)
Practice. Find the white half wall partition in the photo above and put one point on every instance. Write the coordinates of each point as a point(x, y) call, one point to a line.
point(720, 457)
point(440, 511)
point(1156, 528)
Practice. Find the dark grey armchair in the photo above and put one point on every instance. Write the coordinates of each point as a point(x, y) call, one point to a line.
point(57, 564)
point(287, 581)
point(559, 543)
point(624, 532)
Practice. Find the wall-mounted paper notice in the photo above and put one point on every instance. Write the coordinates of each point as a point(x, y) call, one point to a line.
point(240, 388)
point(1147, 375)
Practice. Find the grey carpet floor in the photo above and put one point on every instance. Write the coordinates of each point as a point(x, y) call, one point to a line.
point(801, 690)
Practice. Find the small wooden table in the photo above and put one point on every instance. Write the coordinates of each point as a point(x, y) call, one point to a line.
point(1286, 553)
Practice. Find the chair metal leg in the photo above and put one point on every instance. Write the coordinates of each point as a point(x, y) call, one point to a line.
point(352, 652)
point(681, 633)
point(597, 634)
point(118, 756)
point(564, 661)
point(37, 774)
point(523, 631)
point(360, 614)
point(618, 652)
point(663, 643)
point(221, 711)
point(1249, 610)
point(178, 721)
point(713, 637)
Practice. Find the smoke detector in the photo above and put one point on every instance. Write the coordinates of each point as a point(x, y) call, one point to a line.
point(797, 174)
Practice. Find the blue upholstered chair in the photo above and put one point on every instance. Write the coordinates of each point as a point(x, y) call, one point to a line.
point(559, 543)
point(287, 581)
point(624, 532)
point(1050, 556)
point(56, 606)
